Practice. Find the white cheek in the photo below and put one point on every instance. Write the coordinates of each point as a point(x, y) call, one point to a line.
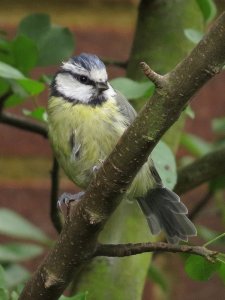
point(73, 89)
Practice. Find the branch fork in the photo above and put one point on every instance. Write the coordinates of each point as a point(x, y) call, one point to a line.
point(157, 79)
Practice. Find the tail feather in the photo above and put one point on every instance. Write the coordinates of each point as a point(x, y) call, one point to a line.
point(164, 211)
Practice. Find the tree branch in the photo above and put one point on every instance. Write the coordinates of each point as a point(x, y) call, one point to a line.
point(202, 170)
point(22, 123)
point(122, 250)
point(55, 217)
point(200, 205)
point(157, 79)
point(78, 240)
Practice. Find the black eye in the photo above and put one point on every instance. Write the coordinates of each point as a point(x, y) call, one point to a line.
point(83, 79)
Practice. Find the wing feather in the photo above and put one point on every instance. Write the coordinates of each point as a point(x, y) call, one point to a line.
point(125, 107)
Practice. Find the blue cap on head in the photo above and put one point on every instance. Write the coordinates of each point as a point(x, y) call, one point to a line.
point(88, 61)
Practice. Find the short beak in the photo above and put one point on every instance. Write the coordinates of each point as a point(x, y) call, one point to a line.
point(102, 86)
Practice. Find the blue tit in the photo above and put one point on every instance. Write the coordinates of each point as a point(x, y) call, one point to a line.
point(86, 118)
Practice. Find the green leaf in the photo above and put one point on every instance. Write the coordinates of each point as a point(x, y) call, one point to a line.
point(18, 290)
point(193, 35)
point(132, 89)
point(221, 272)
point(16, 252)
point(217, 183)
point(46, 79)
point(4, 86)
point(208, 235)
point(18, 89)
point(49, 54)
point(5, 45)
point(35, 26)
point(195, 145)
point(6, 51)
point(39, 114)
point(165, 164)
point(208, 9)
point(15, 275)
point(2, 278)
point(156, 275)
point(198, 268)
point(12, 224)
point(13, 100)
point(54, 43)
point(14, 296)
point(218, 125)
point(7, 71)
point(80, 296)
point(25, 53)
point(4, 295)
point(189, 112)
point(33, 87)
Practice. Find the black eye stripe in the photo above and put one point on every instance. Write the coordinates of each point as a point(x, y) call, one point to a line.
point(83, 78)
point(78, 77)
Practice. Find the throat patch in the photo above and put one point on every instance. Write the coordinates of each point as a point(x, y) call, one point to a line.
point(99, 100)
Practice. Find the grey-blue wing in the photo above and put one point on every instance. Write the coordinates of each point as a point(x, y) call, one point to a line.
point(125, 108)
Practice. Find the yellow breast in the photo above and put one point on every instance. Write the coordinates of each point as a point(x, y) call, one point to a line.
point(96, 130)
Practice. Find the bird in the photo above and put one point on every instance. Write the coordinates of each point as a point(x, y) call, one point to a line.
point(86, 118)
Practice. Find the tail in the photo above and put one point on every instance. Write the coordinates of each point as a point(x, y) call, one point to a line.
point(164, 211)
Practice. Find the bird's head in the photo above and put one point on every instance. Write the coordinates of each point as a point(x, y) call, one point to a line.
point(83, 79)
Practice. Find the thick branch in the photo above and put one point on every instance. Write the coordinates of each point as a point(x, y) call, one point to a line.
point(22, 123)
point(122, 250)
point(202, 170)
point(78, 239)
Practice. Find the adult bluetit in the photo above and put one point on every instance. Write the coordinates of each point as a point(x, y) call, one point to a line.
point(86, 118)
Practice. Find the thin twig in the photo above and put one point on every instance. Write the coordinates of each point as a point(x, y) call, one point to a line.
point(121, 250)
point(157, 79)
point(55, 216)
point(200, 205)
point(22, 123)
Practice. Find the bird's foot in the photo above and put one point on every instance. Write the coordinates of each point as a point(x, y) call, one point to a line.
point(65, 199)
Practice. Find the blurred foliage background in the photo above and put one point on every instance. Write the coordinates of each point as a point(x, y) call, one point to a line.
point(31, 48)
